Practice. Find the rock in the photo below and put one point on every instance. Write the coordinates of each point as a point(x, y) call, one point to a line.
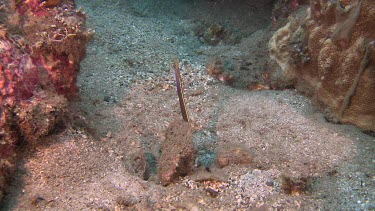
point(39, 62)
point(177, 152)
point(295, 186)
point(40, 115)
point(214, 34)
point(216, 69)
point(328, 53)
point(270, 183)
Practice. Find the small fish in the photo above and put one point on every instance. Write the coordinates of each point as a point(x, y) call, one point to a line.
point(180, 91)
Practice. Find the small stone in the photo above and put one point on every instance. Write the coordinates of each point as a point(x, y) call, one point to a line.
point(194, 208)
point(109, 134)
point(165, 86)
point(269, 183)
point(212, 192)
point(107, 98)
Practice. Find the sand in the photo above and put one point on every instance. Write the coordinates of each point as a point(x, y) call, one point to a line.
point(128, 99)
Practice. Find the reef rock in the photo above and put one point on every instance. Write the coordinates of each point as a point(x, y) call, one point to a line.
point(177, 152)
point(41, 46)
point(327, 51)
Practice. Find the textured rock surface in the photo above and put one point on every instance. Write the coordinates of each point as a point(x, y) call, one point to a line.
point(327, 50)
point(178, 152)
point(41, 46)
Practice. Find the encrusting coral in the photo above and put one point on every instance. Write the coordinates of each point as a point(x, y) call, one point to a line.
point(339, 73)
point(41, 46)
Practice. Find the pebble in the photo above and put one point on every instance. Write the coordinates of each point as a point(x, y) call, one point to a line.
point(109, 134)
point(269, 183)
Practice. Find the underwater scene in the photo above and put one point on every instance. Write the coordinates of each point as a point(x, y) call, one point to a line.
point(256, 105)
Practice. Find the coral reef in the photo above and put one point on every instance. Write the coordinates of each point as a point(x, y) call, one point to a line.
point(328, 53)
point(41, 46)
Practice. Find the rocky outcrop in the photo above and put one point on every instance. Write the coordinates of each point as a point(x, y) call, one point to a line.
point(41, 46)
point(327, 51)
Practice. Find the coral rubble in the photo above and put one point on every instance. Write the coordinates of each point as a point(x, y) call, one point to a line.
point(41, 46)
point(327, 51)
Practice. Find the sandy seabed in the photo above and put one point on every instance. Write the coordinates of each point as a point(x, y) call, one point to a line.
point(128, 99)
